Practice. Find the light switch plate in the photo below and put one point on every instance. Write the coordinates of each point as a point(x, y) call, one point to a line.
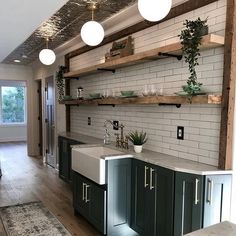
point(180, 132)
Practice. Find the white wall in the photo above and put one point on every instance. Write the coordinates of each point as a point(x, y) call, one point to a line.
point(201, 122)
point(12, 72)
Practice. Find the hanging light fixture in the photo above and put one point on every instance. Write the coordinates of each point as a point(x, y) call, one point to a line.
point(154, 10)
point(47, 56)
point(92, 32)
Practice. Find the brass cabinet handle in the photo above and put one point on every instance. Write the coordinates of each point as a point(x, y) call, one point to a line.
point(210, 184)
point(196, 200)
point(145, 176)
point(151, 178)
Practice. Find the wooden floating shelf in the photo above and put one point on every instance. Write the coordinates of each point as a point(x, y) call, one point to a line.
point(208, 41)
point(165, 100)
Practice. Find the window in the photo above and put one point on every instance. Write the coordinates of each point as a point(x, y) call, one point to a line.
point(13, 103)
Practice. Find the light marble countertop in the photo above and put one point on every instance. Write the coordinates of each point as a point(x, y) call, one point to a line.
point(222, 229)
point(160, 159)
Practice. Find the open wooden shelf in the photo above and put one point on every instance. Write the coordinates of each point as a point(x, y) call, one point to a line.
point(164, 100)
point(208, 41)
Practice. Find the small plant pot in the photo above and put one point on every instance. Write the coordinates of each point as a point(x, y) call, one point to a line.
point(204, 30)
point(138, 148)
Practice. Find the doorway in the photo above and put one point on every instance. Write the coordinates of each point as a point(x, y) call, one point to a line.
point(50, 122)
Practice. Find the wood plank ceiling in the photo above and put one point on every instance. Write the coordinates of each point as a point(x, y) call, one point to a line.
point(63, 26)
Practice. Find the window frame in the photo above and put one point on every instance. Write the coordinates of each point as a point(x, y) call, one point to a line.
point(13, 84)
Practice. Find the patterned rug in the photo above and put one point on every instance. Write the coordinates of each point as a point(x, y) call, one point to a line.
point(31, 219)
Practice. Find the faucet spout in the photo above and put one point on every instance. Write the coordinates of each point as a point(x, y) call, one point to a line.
point(111, 122)
point(120, 141)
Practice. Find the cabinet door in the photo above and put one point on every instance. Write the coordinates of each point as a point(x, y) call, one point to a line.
point(96, 196)
point(151, 201)
point(165, 202)
point(140, 186)
point(118, 178)
point(64, 147)
point(69, 170)
point(188, 203)
point(217, 199)
point(79, 199)
point(63, 158)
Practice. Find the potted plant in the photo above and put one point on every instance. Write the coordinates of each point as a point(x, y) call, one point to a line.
point(60, 82)
point(138, 139)
point(191, 38)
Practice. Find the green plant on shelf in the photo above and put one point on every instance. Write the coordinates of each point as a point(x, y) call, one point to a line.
point(191, 38)
point(60, 82)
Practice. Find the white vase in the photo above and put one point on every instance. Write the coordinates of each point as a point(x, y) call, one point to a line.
point(138, 148)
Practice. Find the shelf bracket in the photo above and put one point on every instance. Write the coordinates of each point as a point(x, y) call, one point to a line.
point(104, 69)
point(77, 78)
point(170, 104)
point(179, 57)
point(113, 105)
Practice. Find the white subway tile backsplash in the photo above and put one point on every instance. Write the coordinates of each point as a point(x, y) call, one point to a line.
point(189, 156)
point(201, 122)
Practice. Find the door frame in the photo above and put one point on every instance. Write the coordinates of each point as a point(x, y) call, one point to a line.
point(44, 124)
point(40, 117)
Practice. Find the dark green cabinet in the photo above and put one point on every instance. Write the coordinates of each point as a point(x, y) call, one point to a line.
point(152, 199)
point(147, 200)
point(217, 199)
point(64, 149)
point(165, 202)
point(188, 203)
point(139, 197)
point(89, 199)
point(106, 207)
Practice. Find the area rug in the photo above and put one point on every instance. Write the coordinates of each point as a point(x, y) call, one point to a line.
point(31, 219)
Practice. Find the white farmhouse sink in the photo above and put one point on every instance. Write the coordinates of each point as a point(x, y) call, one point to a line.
point(90, 161)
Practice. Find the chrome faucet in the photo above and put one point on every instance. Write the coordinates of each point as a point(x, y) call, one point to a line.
point(107, 135)
point(121, 142)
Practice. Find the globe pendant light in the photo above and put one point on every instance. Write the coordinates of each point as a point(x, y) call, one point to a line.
point(47, 56)
point(154, 10)
point(92, 33)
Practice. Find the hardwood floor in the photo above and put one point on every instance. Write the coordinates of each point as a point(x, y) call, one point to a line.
point(26, 179)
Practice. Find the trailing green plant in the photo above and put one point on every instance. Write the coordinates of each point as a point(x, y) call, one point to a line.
point(60, 82)
point(138, 138)
point(191, 38)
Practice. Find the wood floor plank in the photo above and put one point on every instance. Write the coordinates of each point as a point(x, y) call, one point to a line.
point(27, 179)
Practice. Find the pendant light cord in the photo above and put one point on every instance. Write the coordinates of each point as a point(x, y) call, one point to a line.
point(47, 42)
point(92, 14)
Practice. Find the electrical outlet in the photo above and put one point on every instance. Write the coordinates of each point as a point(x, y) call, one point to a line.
point(115, 125)
point(180, 132)
point(89, 121)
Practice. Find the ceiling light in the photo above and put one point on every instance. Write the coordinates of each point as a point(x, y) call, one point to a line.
point(92, 32)
point(47, 56)
point(17, 61)
point(154, 10)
